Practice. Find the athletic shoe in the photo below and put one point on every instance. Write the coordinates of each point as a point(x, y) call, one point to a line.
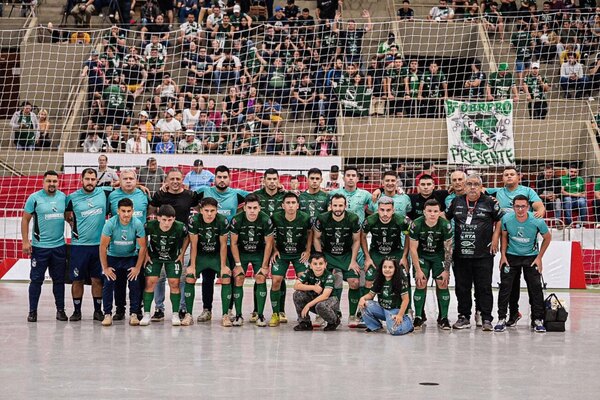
point(134, 320)
point(159, 315)
point(462, 323)
point(182, 314)
point(353, 321)
point(205, 316)
point(76, 316)
point(318, 322)
point(369, 330)
point(32, 317)
point(275, 321)
point(423, 315)
point(107, 321)
point(226, 321)
point(98, 316)
point(444, 324)
point(538, 326)
point(512, 321)
point(61, 316)
point(231, 315)
point(332, 327)
point(187, 320)
point(361, 323)
point(418, 323)
point(260, 321)
point(146, 319)
point(487, 326)
point(175, 320)
point(253, 318)
point(478, 320)
point(303, 326)
point(283, 318)
point(238, 321)
point(119, 316)
point(500, 326)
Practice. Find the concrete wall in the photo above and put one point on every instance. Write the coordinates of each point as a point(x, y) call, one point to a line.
point(11, 31)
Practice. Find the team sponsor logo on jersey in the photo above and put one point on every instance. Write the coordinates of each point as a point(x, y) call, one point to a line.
point(95, 211)
point(49, 217)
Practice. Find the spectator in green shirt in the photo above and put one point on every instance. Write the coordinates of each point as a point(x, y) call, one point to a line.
point(596, 201)
point(574, 195)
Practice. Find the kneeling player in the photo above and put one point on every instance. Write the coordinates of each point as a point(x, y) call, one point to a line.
point(391, 287)
point(167, 241)
point(208, 239)
point(431, 252)
point(313, 292)
point(251, 243)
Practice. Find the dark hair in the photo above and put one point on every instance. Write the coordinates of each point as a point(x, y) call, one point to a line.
point(520, 197)
point(89, 171)
point(209, 201)
point(252, 198)
point(125, 202)
point(50, 172)
point(433, 203)
point(315, 171)
point(426, 176)
point(166, 210)
point(337, 196)
point(270, 171)
point(508, 168)
point(174, 170)
point(290, 195)
point(351, 168)
point(399, 280)
point(149, 160)
point(316, 256)
point(389, 173)
point(221, 168)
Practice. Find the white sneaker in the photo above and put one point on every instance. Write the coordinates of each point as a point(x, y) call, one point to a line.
point(146, 319)
point(187, 320)
point(253, 318)
point(133, 320)
point(231, 315)
point(107, 321)
point(238, 321)
point(175, 320)
point(205, 316)
point(318, 322)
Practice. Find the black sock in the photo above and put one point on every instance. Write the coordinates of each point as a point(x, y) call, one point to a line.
point(97, 303)
point(77, 304)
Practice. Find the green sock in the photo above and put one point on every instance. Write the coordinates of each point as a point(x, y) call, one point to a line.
point(275, 300)
point(225, 297)
point(443, 296)
point(261, 297)
point(148, 297)
point(353, 297)
point(419, 299)
point(282, 292)
point(338, 293)
point(190, 295)
point(238, 296)
point(175, 300)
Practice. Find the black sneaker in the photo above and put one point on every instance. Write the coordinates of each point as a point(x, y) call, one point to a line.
point(61, 316)
point(159, 315)
point(423, 315)
point(182, 314)
point(32, 317)
point(513, 319)
point(99, 316)
point(462, 323)
point(444, 324)
point(119, 316)
point(418, 323)
point(76, 316)
point(303, 326)
point(487, 326)
point(331, 327)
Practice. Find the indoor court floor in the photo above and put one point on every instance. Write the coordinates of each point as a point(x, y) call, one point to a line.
point(62, 360)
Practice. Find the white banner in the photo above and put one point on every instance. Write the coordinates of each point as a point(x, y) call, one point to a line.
point(480, 134)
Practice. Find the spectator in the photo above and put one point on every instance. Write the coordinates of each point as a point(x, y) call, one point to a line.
point(374, 83)
point(326, 9)
point(198, 177)
point(151, 176)
point(501, 84)
point(472, 14)
point(536, 86)
point(549, 188)
point(168, 123)
point(524, 45)
point(405, 13)
point(148, 13)
point(155, 65)
point(476, 83)
point(44, 140)
point(216, 143)
point(350, 40)
point(203, 68)
point(240, 20)
point(80, 37)
point(166, 93)
point(189, 144)
point(441, 13)
point(114, 99)
point(94, 71)
point(227, 70)
point(572, 80)
point(93, 143)
point(214, 115)
point(25, 127)
point(83, 11)
point(155, 44)
point(187, 8)
point(326, 144)
point(234, 106)
point(432, 87)
point(428, 169)
point(167, 7)
point(332, 180)
point(306, 25)
point(383, 47)
point(166, 146)
point(596, 201)
point(134, 76)
point(245, 142)
point(145, 125)
point(300, 148)
point(395, 87)
point(138, 144)
point(115, 144)
point(303, 98)
point(574, 195)
point(215, 18)
point(191, 115)
point(277, 145)
point(412, 82)
point(280, 23)
point(278, 82)
point(107, 177)
point(189, 92)
point(96, 115)
point(594, 72)
point(204, 127)
point(224, 31)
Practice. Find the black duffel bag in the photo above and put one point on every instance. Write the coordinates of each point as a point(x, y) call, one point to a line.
point(555, 315)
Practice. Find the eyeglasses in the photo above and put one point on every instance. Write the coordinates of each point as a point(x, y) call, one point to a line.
point(473, 184)
point(520, 207)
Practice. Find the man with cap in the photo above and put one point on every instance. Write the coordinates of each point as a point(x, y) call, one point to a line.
point(237, 16)
point(535, 87)
point(198, 177)
point(190, 144)
point(501, 85)
point(169, 123)
point(332, 180)
point(280, 23)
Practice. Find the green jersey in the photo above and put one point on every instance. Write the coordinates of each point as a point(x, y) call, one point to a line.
point(25, 135)
point(396, 77)
point(500, 86)
point(535, 85)
point(114, 97)
point(313, 204)
point(413, 83)
point(336, 236)
point(165, 245)
point(251, 235)
point(431, 238)
point(575, 185)
point(325, 280)
point(291, 237)
point(269, 204)
point(523, 236)
point(522, 41)
point(208, 234)
point(356, 201)
point(432, 84)
point(386, 239)
point(387, 298)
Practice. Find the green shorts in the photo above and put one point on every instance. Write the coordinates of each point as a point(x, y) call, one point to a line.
point(172, 268)
point(280, 267)
point(341, 262)
point(254, 259)
point(431, 265)
point(208, 261)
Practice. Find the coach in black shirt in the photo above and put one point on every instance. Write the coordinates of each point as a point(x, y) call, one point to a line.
point(476, 240)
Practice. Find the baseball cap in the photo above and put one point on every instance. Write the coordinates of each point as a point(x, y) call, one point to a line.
point(535, 65)
point(197, 163)
point(94, 53)
point(503, 67)
point(237, 8)
point(278, 8)
point(171, 112)
point(334, 168)
point(144, 114)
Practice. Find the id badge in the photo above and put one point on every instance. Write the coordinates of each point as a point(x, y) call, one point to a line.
point(469, 219)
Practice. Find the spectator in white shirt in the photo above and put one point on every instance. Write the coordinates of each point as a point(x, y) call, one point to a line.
point(441, 13)
point(572, 81)
point(138, 144)
point(93, 143)
point(168, 123)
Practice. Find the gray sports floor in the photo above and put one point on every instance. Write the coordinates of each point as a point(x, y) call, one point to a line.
point(52, 360)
